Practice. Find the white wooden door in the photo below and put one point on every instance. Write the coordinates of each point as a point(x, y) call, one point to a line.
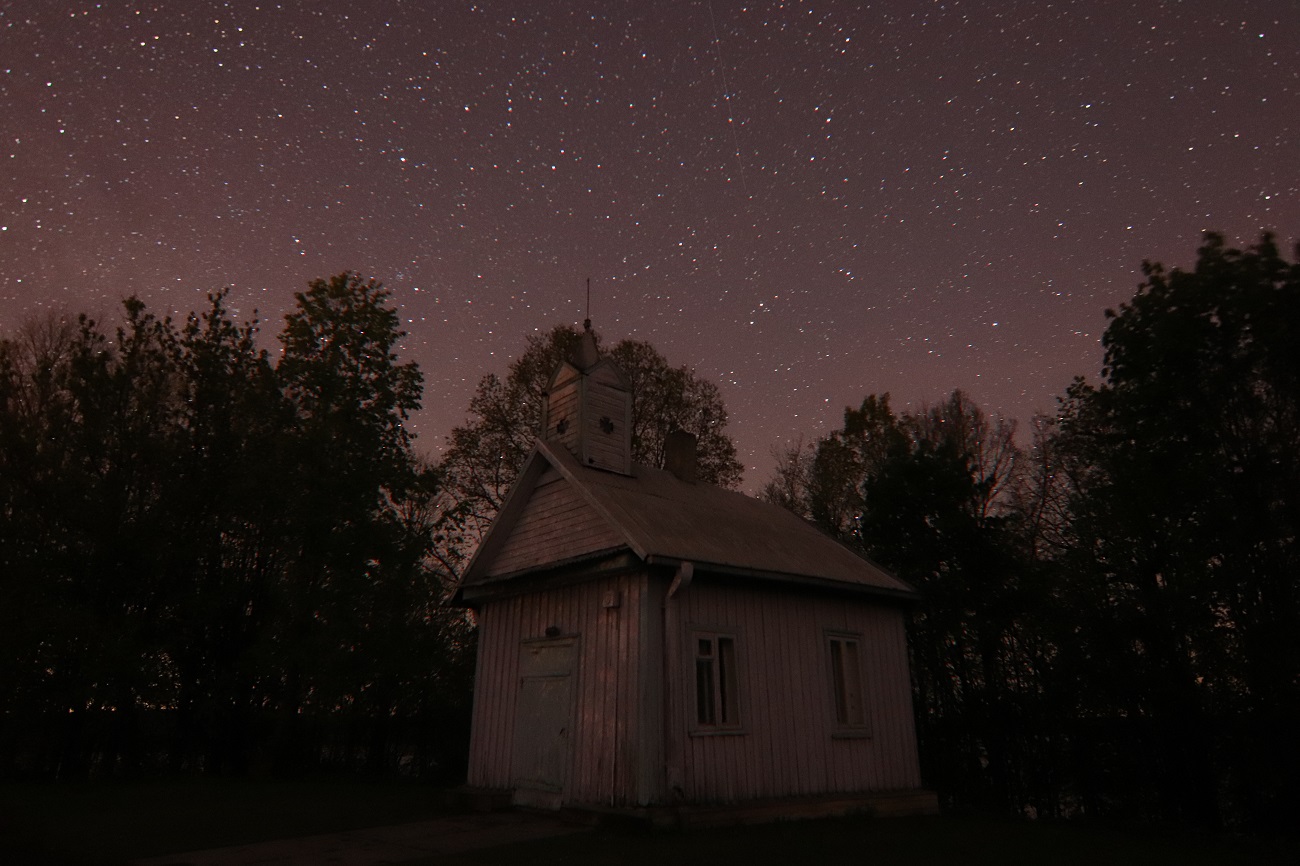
point(543, 723)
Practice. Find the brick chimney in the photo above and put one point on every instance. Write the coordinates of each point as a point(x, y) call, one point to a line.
point(680, 455)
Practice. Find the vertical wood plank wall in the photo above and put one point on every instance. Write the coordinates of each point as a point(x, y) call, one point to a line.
point(787, 701)
point(563, 405)
point(606, 450)
point(787, 747)
point(607, 765)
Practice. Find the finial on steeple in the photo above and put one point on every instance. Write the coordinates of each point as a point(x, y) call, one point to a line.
point(586, 322)
point(585, 354)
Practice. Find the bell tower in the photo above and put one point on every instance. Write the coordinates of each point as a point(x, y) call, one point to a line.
point(588, 408)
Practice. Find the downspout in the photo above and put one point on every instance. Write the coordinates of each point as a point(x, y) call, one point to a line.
point(675, 687)
point(682, 580)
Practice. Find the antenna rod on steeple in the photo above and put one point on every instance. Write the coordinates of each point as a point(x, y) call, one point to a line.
point(586, 323)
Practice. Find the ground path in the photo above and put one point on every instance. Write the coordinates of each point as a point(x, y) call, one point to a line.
point(381, 845)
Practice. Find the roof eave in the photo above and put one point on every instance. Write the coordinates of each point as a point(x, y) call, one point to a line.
point(902, 593)
point(576, 569)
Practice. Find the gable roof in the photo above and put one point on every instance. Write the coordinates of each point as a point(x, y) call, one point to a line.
point(666, 521)
point(566, 370)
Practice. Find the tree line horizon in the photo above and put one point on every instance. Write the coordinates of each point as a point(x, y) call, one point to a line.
point(217, 561)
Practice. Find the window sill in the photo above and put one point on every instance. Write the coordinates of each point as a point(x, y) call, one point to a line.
point(717, 732)
point(851, 734)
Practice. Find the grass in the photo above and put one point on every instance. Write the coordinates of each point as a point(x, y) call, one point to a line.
point(112, 822)
point(943, 841)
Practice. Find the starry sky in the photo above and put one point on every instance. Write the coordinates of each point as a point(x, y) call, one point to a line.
point(807, 202)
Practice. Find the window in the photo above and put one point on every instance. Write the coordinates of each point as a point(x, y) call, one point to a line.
point(717, 702)
point(846, 681)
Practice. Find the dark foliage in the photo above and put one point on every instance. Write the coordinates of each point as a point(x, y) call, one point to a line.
point(212, 562)
point(1185, 523)
point(1109, 617)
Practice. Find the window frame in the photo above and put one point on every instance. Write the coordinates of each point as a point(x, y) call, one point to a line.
point(726, 714)
point(844, 680)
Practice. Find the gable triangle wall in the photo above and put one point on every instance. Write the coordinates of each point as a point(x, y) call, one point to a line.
point(556, 524)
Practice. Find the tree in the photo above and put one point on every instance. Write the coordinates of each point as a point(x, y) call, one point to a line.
point(1109, 618)
point(666, 398)
point(192, 534)
point(788, 486)
point(38, 474)
point(1187, 520)
point(844, 459)
point(486, 454)
point(90, 432)
point(340, 370)
point(231, 509)
point(356, 607)
point(930, 495)
point(828, 480)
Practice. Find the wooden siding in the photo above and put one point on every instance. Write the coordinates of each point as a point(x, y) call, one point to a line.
point(556, 524)
point(564, 403)
point(787, 745)
point(608, 764)
point(582, 399)
point(601, 449)
point(604, 397)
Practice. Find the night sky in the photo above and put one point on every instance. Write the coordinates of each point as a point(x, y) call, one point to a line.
point(806, 201)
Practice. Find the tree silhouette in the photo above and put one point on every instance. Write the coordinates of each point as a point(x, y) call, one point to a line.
point(208, 557)
point(1188, 520)
point(488, 451)
point(1109, 616)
